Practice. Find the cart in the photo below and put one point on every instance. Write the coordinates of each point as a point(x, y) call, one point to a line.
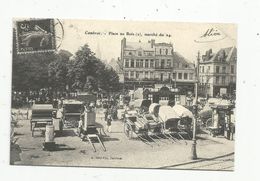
point(186, 117)
point(142, 124)
point(42, 114)
point(170, 120)
point(71, 112)
point(89, 128)
point(220, 122)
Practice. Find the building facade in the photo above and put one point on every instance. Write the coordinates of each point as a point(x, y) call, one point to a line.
point(145, 64)
point(217, 73)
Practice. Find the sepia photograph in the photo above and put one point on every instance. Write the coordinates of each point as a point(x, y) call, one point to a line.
point(123, 94)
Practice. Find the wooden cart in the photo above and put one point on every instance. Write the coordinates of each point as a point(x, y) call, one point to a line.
point(42, 114)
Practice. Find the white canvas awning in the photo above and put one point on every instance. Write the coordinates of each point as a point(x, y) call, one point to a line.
point(153, 107)
point(166, 113)
point(182, 111)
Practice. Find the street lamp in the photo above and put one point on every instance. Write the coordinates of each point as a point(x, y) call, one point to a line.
point(195, 112)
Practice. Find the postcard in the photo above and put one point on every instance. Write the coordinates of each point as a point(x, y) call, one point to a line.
point(123, 94)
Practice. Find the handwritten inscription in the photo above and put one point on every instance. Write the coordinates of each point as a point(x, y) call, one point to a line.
point(211, 32)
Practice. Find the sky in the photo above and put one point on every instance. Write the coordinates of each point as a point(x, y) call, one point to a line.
point(186, 37)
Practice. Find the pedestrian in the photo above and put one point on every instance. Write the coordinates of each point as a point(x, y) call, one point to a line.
point(109, 122)
point(80, 126)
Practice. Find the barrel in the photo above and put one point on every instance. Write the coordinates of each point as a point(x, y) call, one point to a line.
point(49, 133)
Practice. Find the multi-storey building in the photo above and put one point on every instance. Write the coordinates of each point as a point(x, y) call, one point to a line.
point(149, 63)
point(146, 64)
point(218, 72)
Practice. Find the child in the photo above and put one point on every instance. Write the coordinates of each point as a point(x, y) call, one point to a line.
point(109, 120)
point(80, 126)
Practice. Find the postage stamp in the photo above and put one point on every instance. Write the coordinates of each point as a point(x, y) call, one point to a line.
point(36, 35)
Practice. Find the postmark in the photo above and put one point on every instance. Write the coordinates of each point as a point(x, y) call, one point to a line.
point(35, 35)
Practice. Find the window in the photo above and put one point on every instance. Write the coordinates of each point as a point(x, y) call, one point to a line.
point(233, 79)
point(168, 62)
point(223, 69)
point(141, 75)
point(151, 63)
point(146, 75)
point(162, 63)
point(202, 69)
point(166, 51)
point(126, 74)
point(151, 75)
point(132, 74)
point(137, 63)
point(217, 79)
point(146, 63)
point(174, 75)
point(232, 69)
point(191, 76)
point(126, 63)
point(223, 80)
point(179, 75)
point(185, 76)
point(141, 63)
point(160, 51)
point(132, 63)
point(177, 98)
point(139, 53)
point(156, 63)
point(150, 97)
point(130, 53)
point(169, 76)
point(208, 69)
point(137, 75)
point(217, 69)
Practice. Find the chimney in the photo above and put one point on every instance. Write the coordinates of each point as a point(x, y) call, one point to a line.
point(152, 43)
point(123, 45)
point(123, 42)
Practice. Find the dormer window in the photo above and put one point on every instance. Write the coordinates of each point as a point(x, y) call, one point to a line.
point(139, 53)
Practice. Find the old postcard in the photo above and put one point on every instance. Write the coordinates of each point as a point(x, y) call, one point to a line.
point(123, 94)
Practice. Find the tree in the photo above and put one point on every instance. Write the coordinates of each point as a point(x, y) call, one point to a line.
point(58, 71)
point(87, 69)
point(30, 71)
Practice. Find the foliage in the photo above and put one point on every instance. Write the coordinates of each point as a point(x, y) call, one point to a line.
point(58, 71)
point(86, 72)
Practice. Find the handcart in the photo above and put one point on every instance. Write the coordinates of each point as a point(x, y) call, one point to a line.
point(42, 114)
point(89, 128)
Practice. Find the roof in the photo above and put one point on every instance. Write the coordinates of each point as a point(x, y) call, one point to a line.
point(42, 107)
point(163, 44)
point(224, 54)
point(71, 101)
point(179, 58)
point(138, 45)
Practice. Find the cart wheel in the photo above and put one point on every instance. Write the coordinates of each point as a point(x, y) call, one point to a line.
point(128, 130)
